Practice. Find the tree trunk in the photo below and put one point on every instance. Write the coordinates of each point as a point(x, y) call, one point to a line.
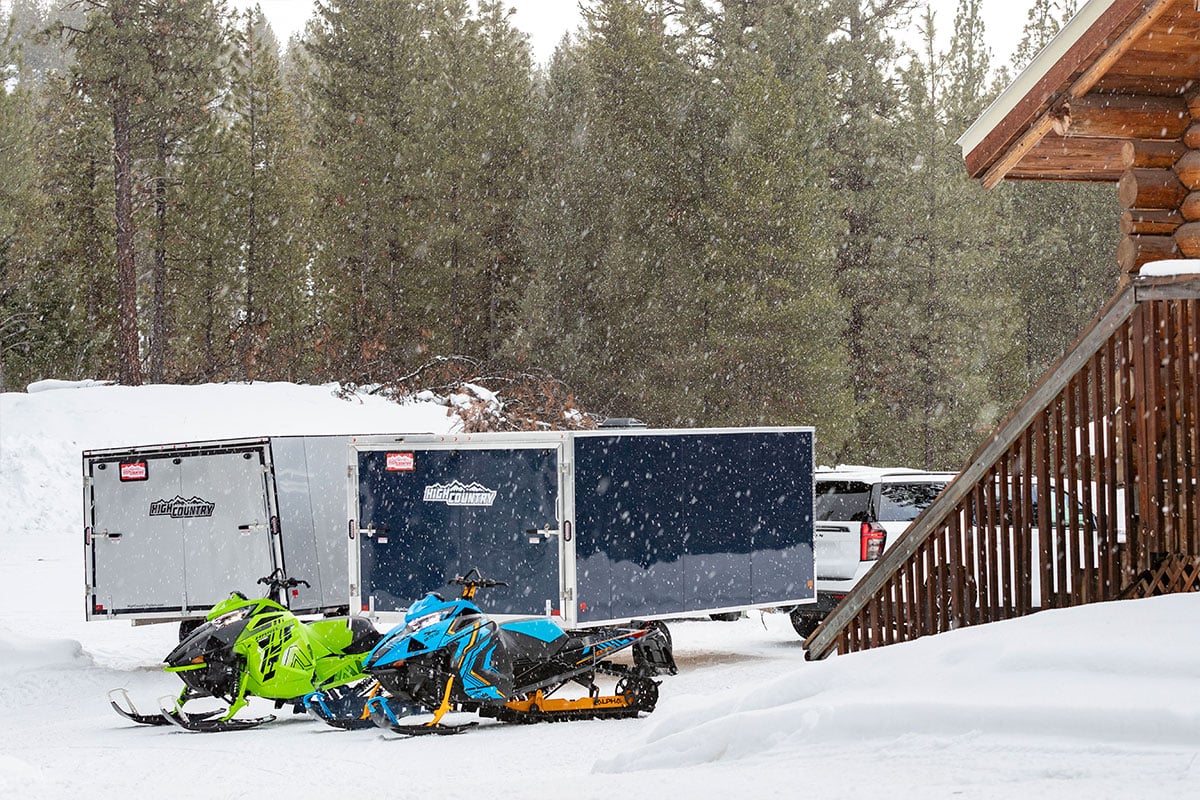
point(158, 327)
point(130, 368)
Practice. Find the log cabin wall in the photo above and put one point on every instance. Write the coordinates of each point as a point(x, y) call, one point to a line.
point(1159, 192)
point(1087, 492)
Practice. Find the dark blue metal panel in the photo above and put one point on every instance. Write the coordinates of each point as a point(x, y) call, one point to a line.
point(669, 523)
point(450, 510)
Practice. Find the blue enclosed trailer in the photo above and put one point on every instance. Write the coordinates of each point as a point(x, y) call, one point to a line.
point(592, 527)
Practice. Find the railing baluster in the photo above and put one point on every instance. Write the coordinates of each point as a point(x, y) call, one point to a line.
point(1004, 544)
point(1189, 359)
point(1022, 520)
point(1070, 494)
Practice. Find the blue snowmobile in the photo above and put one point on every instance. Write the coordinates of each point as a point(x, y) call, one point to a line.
point(449, 656)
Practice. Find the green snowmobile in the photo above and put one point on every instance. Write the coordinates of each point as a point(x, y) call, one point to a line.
point(259, 648)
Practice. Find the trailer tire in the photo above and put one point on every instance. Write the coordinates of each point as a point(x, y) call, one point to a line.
point(804, 623)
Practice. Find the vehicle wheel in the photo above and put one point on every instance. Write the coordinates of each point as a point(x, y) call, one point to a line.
point(728, 616)
point(804, 623)
point(187, 626)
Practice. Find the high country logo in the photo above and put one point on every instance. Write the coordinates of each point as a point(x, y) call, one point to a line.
point(456, 494)
point(178, 508)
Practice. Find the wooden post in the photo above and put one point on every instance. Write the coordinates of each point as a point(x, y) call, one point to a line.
point(1134, 251)
point(1187, 239)
point(1192, 137)
point(1187, 169)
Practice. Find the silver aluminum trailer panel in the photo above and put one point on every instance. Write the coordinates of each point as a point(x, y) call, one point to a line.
point(172, 529)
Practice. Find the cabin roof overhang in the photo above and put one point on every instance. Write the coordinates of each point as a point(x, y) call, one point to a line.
point(1119, 73)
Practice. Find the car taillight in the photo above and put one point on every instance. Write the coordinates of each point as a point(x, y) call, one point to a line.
point(871, 539)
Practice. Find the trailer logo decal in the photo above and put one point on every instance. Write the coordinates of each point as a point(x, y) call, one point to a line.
point(178, 508)
point(401, 462)
point(133, 471)
point(456, 494)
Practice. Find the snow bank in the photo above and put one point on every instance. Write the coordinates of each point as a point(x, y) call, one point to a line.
point(1104, 674)
point(20, 654)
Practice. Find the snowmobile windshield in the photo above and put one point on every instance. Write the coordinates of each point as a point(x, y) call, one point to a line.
point(425, 620)
point(237, 615)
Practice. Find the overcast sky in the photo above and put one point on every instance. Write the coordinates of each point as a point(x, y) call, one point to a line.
point(547, 20)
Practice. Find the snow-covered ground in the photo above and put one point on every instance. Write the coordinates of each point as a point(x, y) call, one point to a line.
point(1098, 702)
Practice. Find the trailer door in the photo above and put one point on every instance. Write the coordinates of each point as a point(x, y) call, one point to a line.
point(177, 532)
point(428, 514)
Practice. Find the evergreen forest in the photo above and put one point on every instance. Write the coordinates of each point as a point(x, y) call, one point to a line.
point(696, 212)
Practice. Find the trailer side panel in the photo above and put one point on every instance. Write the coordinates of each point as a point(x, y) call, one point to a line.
point(683, 522)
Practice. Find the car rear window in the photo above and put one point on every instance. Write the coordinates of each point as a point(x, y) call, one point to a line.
point(842, 500)
point(902, 502)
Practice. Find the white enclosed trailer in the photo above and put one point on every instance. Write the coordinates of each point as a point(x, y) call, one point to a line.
point(169, 530)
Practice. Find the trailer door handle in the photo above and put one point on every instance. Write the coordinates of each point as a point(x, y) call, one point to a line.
point(113, 536)
point(542, 535)
point(376, 532)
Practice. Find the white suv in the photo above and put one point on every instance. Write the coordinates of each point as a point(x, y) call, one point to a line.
point(860, 512)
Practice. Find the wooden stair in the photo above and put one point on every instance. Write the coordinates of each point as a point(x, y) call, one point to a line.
point(1107, 442)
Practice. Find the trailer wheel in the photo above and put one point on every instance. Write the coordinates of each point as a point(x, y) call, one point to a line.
point(187, 626)
point(804, 624)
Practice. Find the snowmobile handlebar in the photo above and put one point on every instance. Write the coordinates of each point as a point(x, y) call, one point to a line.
point(277, 580)
point(473, 578)
point(473, 581)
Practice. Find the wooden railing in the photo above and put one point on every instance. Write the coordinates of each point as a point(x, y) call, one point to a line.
point(1087, 492)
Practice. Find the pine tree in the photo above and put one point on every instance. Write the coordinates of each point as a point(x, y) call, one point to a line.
point(774, 307)
point(945, 324)
point(1062, 260)
point(18, 313)
point(606, 239)
point(267, 210)
point(420, 115)
point(184, 40)
point(112, 69)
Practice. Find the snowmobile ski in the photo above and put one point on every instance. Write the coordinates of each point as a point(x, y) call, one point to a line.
point(440, 729)
point(206, 721)
point(385, 716)
point(343, 707)
point(123, 705)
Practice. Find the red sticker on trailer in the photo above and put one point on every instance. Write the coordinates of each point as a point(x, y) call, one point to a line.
point(134, 471)
point(401, 462)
